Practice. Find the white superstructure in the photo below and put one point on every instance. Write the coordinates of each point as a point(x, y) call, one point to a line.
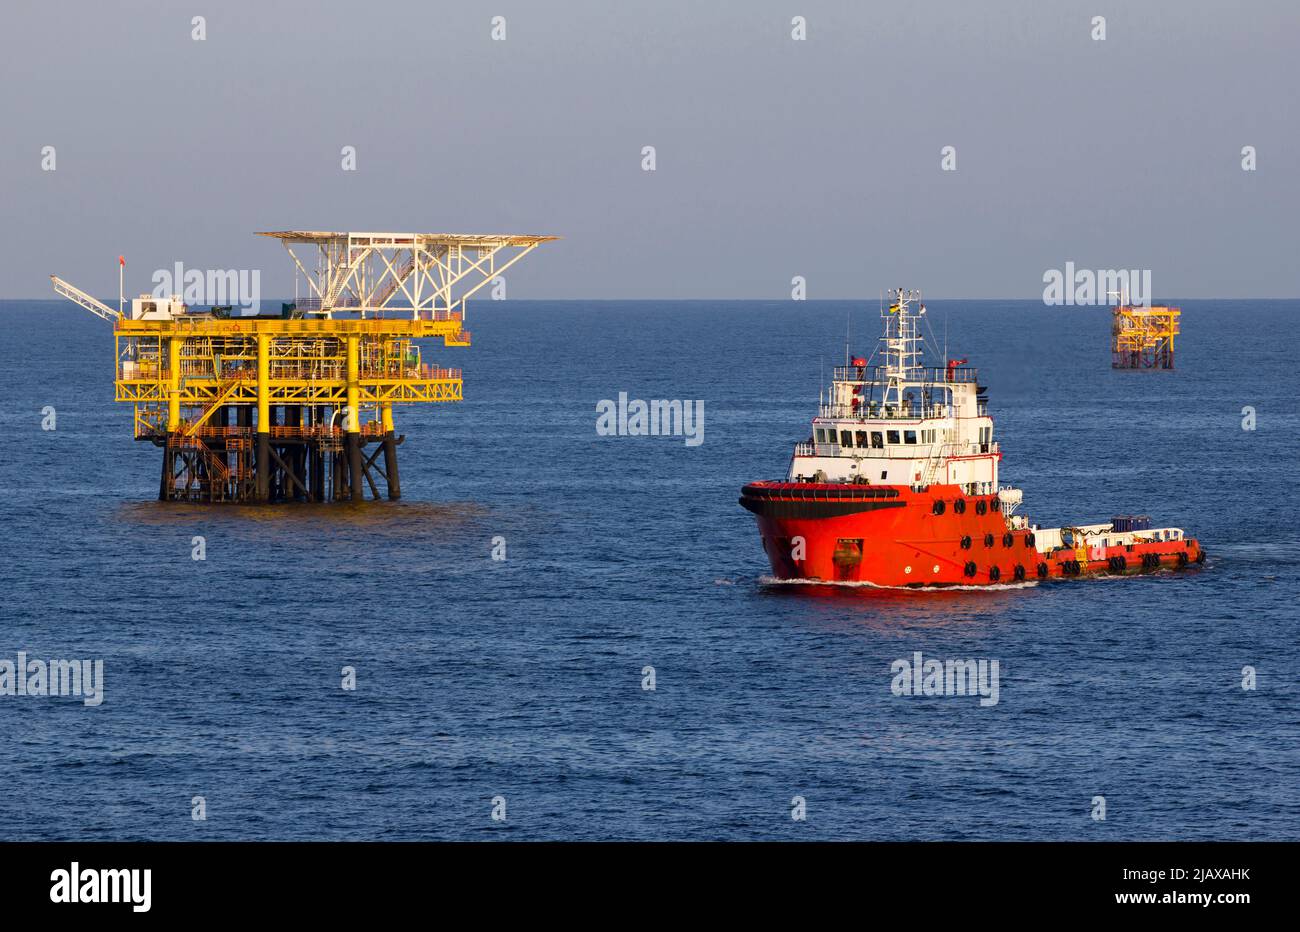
point(903, 423)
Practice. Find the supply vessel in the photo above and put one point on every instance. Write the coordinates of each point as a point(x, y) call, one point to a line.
point(897, 486)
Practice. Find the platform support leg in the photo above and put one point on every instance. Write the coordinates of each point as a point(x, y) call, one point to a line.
point(354, 466)
point(165, 480)
point(263, 417)
point(390, 467)
point(263, 466)
point(352, 416)
point(390, 454)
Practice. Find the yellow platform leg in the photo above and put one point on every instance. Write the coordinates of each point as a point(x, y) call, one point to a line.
point(174, 383)
point(352, 417)
point(263, 417)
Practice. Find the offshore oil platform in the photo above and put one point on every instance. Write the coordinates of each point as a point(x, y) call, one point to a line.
point(278, 408)
point(1143, 337)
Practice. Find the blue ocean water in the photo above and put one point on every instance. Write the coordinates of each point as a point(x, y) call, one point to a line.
point(522, 679)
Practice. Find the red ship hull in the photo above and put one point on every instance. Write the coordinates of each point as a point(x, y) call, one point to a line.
point(938, 536)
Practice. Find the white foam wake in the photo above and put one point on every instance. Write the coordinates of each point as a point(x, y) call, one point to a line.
point(864, 584)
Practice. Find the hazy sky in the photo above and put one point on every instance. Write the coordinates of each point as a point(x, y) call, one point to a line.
point(775, 157)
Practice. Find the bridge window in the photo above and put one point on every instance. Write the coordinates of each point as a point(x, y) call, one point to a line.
point(909, 436)
point(862, 439)
point(821, 435)
point(877, 440)
point(846, 438)
point(893, 436)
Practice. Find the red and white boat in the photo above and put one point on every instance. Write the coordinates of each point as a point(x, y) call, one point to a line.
point(898, 486)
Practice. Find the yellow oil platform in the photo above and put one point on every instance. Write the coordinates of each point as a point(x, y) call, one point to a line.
point(281, 407)
point(1143, 337)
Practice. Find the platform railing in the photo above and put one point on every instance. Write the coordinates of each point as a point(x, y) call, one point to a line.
point(930, 375)
point(276, 431)
point(877, 412)
point(905, 451)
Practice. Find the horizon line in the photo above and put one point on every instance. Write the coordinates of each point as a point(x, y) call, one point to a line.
point(773, 299)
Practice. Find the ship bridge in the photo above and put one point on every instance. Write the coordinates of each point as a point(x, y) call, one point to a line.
point(929, 391)
point(901, 423)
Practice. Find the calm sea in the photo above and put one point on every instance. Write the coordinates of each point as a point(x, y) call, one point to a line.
point(478, 679)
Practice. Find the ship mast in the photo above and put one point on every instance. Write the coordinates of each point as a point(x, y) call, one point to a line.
point(902, 344)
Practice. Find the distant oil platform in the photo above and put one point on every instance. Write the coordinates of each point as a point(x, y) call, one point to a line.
point(278, 408)
point(1143, 337)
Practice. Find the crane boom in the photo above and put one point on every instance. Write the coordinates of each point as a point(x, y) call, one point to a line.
point(94, 305)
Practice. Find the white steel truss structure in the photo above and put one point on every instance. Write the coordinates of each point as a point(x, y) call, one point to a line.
point(426, 276)
point(94, 305)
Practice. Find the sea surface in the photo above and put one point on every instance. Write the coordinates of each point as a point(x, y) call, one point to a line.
point(518, 684)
